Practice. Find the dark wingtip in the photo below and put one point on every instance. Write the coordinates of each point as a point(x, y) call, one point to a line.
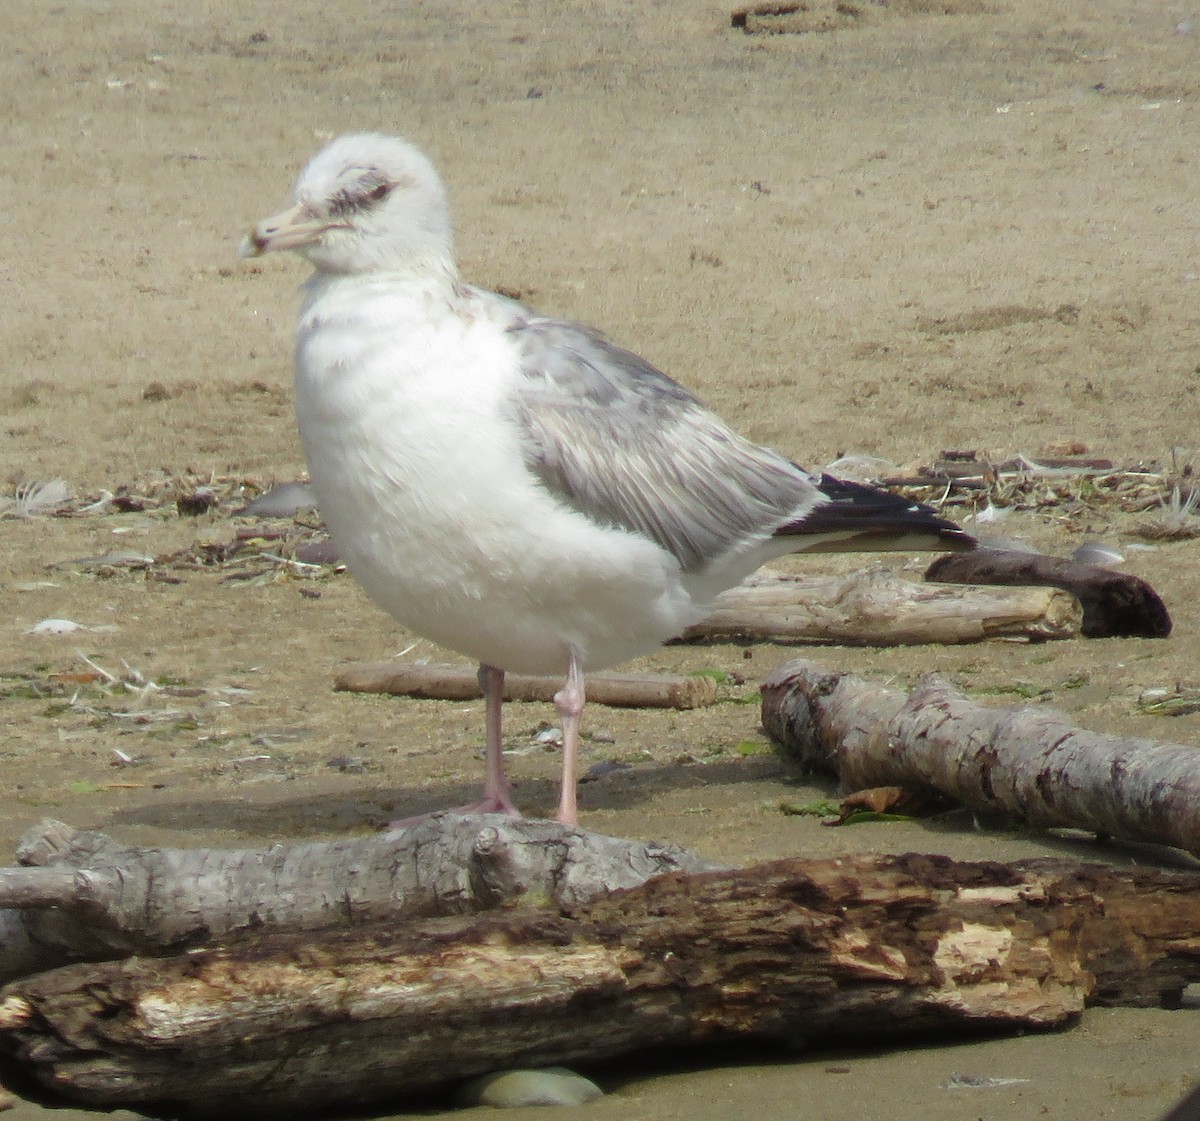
point(859, 517)
point(955, 540)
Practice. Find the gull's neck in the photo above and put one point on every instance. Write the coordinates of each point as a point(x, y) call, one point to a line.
point(431, 272)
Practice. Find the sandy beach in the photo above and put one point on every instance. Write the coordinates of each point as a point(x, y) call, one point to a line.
point(958, 225)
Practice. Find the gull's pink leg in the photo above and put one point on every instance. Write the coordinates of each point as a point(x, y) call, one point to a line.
point(496, 786)
point(569, 702)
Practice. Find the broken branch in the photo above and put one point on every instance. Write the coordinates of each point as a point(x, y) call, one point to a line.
point(1023, 761)
point(459, 683)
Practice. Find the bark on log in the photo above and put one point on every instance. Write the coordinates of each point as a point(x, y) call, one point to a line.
point(874, 607)
point(1024, 761)
point(857, 948)
point(1114, 603)
point(459, 683)
point(84, 896)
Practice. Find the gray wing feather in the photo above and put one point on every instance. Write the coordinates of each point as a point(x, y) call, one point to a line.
point(624, 444)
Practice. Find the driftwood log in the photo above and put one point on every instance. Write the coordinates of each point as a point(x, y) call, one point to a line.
point(875, 607)
point(82, 896)
point(444, 682)
point(1022, 761)
point(795, 951)
point(1114, 603)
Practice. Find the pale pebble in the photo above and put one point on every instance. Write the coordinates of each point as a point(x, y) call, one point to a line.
point(509, 1089)
point(282, 501)
point(56, 626)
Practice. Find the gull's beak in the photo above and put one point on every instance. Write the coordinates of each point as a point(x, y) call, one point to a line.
point(293, 228)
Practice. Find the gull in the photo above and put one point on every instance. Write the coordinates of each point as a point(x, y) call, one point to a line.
point(516, 487)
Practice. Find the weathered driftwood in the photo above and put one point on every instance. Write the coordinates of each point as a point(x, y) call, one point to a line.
point(875, 607)
point(857, 948)
point(460, 683)
point(1025, 761)
point(1114, 603)
point(84, 896)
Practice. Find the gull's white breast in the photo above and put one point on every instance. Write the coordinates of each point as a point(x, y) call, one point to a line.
point(403, 392)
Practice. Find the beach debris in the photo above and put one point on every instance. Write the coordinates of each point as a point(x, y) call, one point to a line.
point(1180, 700)
point(1024, 762)
point(797, 18)
point(55, 627)
point(32, 499)
point(889, 803)
point(99, 505)
point(196, 502)
point(261, 554)
point(979, 1082)
point(1175, 519)
point(1063, 482)
point(805, 17)
point(989, 515)
point(106, 562)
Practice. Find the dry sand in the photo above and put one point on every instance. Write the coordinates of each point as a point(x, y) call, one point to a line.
point(780, 222)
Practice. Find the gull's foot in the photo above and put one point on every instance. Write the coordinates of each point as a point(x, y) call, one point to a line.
point(488, 804)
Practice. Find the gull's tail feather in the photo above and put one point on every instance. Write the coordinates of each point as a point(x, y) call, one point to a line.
point(858, 518)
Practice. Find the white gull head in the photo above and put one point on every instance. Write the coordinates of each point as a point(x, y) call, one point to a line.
point(365, 203)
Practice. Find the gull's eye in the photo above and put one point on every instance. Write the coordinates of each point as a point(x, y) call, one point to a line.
point(362, 194)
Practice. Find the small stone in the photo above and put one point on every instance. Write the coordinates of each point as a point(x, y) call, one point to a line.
point(283, 501)
point(512, 1088)
point(56, 626)
point(316, 552)
point(605, 767)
